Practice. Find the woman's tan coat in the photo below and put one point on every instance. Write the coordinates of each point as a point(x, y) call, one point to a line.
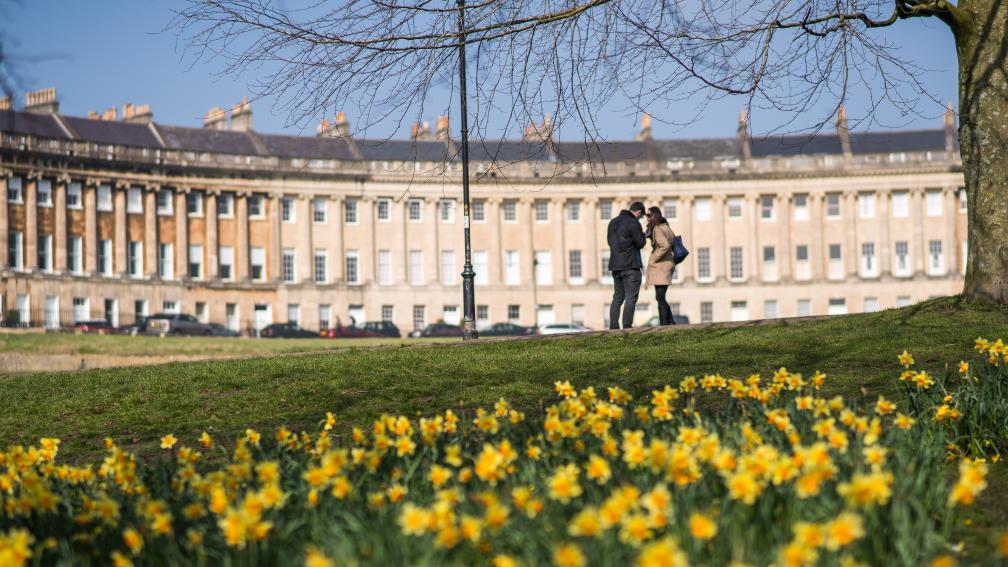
point(660, 264)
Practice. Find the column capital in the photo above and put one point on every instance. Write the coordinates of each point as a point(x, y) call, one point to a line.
point(183, 189)
point(122, 183)
point(152, 187)
point(213, 192)
point(33, 174)
point(5, 173)
point(92, 182)
point(63, 178)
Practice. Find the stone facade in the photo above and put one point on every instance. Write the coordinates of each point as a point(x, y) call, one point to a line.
point(108, 219)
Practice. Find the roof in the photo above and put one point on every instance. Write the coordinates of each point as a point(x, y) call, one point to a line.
point(305, 147)
point(795, 145)
point(404, 150)
point(900, 141)
point(44, 125)
point(207, 140)
point(110, 132)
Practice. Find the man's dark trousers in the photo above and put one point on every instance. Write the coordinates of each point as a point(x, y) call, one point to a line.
point(626, 287)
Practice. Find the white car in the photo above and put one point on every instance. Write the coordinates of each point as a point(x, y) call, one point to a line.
point(561, 329)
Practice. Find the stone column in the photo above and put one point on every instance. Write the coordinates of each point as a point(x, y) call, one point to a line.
point(754, 273)
point(949, 212)
point(307, 268)
point(274, 253)
point(562, 263)
point(526, 256)
point(496, 254)
point(920, 265)
point(241, 251)
point(89, 195)
point(4, 177)
point(119, 244)
point(336, 266)
point(591, 260)
point(885, 246)
point(786, 219)
point(31, 223)
point(60, 216)
point(817, 254)
point(150, 231)
point(720, 262)
point(211, 235)
point(685, 206)
point(181, 234)
point(433, 213)
point(853, 254)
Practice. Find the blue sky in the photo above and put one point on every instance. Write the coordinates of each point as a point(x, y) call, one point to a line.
point(106, 53)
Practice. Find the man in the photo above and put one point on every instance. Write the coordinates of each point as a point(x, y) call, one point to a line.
point(626, 238)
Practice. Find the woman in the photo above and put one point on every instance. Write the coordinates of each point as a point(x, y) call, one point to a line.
point(660, 265)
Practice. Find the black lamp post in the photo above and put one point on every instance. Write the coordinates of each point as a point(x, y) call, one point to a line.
point(468, 275)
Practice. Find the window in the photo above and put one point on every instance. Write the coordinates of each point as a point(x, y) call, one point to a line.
point(770, 309)
point(447, 267)
point(866, 205)
point(43, 194)
point(45, 252)
point(225, 257)
point(104, 198)
point(510, 209)
point(801, 253)
point(739, 311)
point(134, 258)
point(201, 312)
point(293, 313)
point(383, 210)
point(735, 263)
point(481, 266)
point(75, 254)
point(255, 207)
point(384, 267)
point(767, 207)
point(574, 266)
point(140, 310)
point(416, 274)
point(450, 314)
point(320, 271)
point(105, 257)
point(414, 210)
point(225, 205)
point(81, 309)
point(933, 201)
point(900, 204)
point(837, 306)
point(541, 210)
point(15, 249)
point(706, 311)
point(669, 209)
point(352, 265)
point(169, 306)
point(50, 314)
point(869, 267)
point(14, 190)
point(194, 204)
point(703, 264)
point(734, 207)
point(324, 316)
point(902, 267)
point(514, 313)
point(962, 199)
point(257, 263)
point(447, 207)
point(512, 271)
point(479, 210)
point(165, 260)
point(287, 209)
point(804, 307)
point(834, 252)
point(903, 301)
point(800, 203)
point(350, 211)
point(482, 315)
point(319, 210)
point(74, 200)
point(574, 211)
point(163, 202)
point(287, 265)
point(769, 254)
point(833, 205)
point(387, 313)
point(836, 268)
point(196, 261)
point(605, 209)
point(419, 316)
point(936, 260)
point(134, 200)
point(577, 314)
point(870, 304)
point(702, 208)
point(543, 264)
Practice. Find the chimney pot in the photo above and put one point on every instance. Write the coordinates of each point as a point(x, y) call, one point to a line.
point(215, 119)
point(93, 115)
point(42, 101)
point(645, 131)
point(110, 114)
point(5, 103)
point(743, 134)
point(843, 131)
point(241, 116)
point(443, 129)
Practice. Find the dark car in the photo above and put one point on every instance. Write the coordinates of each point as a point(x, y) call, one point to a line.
point(219, 330)
point(100, 326)
point(347, 332)
point(383, 328)
point(506, 330)
point(286, 331)
point(439, 330)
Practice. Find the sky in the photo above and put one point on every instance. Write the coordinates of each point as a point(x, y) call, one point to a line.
point(105, 53)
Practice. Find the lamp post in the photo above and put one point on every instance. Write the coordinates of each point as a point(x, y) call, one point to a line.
point(468, 275)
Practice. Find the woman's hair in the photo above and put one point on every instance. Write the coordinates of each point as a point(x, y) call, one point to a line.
point(657, 212)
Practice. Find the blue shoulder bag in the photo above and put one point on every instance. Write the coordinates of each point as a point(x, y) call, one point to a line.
point(679, 251)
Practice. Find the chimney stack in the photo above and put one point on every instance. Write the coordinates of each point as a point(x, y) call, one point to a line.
point(215, 119)
point(743, 134)
point(241, 116)
point(110, 114)
point(340, 128)
point(843, 131)
point(949, 121)
point(137, 114)
point(541, 132)
point(645, 130)
point(42, 101)
point(5, 103)
point(93, 115)
point(443, 129)
point(420, 131)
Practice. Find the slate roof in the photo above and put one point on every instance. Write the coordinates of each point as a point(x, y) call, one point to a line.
point(899, 141)
point(207, 140)
point(109, 132)
point(602, 151)
point(702, 148)
point(404, 150)
point(43, 125)
point(795, 145)
point(306, 147)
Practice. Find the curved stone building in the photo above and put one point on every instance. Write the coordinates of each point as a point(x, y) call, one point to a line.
point(118, 218)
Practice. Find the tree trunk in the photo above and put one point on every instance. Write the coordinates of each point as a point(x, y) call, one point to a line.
point(981, 33)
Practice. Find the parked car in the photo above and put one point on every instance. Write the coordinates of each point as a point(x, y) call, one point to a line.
point(286, 331)
point(218, 330)
point(506, 330)
point(100, 326)
point(347, 332)
point(438, 330)
point(175, 324)
point(561, 329)
point(676, 319)
point(383, 328)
